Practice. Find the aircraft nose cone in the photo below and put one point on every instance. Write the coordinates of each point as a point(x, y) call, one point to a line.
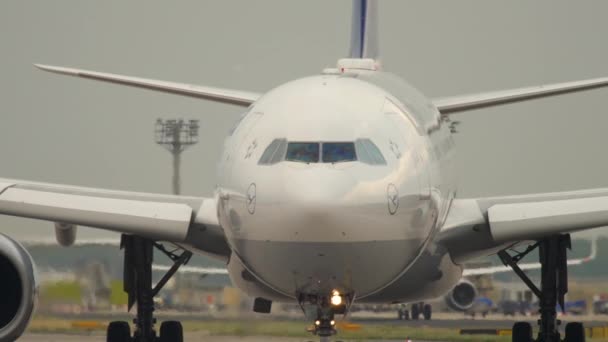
point(318, 186)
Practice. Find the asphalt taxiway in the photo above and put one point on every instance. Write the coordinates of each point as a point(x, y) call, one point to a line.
point(466, 323)
point(187, 337)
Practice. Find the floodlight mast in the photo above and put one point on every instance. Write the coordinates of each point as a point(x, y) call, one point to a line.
point(176, 136)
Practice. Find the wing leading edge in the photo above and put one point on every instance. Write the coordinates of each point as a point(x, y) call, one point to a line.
point(477, 227)
point(235, 97)
point(456, 104)
point(181, 220)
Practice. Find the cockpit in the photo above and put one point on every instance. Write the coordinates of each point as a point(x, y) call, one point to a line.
point(362, 150)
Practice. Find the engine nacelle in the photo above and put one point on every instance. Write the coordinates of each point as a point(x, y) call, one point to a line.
point(462, 296)
point(65, 234)
point(18, 289)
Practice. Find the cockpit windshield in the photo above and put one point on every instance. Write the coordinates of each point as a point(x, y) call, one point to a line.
point(363, 150)
point(339, 152)
point(305, 152)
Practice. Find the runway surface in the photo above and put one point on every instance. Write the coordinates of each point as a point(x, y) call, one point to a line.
point(187, 337)
point(449, 321)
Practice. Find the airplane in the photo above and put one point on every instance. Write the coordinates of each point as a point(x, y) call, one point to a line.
point(333, 189)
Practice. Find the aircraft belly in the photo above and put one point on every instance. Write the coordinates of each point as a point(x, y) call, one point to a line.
point(311, 267)
point(432, 275)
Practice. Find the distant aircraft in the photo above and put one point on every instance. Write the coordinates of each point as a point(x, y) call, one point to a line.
point(332, 189)
point(481, 305)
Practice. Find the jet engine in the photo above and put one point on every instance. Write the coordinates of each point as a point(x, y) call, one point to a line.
point(462, 296)
point(18, 289)
point(65, 234)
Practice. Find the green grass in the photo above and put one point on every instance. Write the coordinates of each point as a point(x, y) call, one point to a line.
point(62, 291)
point(118, 296)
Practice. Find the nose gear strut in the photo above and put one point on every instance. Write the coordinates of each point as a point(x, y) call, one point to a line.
point(324, 312)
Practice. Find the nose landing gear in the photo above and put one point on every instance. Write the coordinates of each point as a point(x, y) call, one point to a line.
point(324, 309)
point(325, 325)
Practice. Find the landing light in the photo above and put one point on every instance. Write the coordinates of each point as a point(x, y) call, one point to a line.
point(332, 322)
point(317, 322)
point(336, 299)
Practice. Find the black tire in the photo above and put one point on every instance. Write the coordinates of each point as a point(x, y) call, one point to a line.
point(406, 315)
point(400, 315)
point(171, 331)
point(522, 332)
point(575, 332)
point(427, 312)
point(118, 331)
point(415, 311)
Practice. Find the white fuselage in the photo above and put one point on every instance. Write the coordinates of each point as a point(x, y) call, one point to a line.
point(306, 228)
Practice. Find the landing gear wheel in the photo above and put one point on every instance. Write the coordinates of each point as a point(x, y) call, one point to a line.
point(171, 331)
point(427, 312)
point(575, 332)
point(415, 311)
point(119, 331)
point(522, 332)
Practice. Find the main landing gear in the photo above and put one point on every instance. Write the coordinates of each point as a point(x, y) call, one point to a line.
point(553, 288)
point(416, 310)
point(138, 286)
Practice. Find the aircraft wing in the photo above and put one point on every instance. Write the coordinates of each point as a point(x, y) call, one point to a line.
point(483, 226)
point(455, 104)
point(528, 266)
point(176, 219)
point(116, 243)
point(236, 97)
point(193, 269)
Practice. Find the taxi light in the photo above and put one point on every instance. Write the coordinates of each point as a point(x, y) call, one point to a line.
point(332, 322)
point(317, 322)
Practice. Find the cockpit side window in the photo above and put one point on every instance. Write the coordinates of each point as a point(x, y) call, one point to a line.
point(274, 153)
point(304, 152)
point(369, 153)
point(336, 152)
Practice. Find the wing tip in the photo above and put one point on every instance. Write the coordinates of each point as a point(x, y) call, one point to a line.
point(56, 69)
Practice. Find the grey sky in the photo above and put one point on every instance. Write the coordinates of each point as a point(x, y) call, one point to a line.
point(73, 131)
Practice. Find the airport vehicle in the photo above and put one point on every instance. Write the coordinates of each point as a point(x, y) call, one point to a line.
point(482, 306)
point(577, 307)
point(332, 189)
point(600, 305)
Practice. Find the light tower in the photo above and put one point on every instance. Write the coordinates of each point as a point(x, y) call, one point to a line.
point(176, 136)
